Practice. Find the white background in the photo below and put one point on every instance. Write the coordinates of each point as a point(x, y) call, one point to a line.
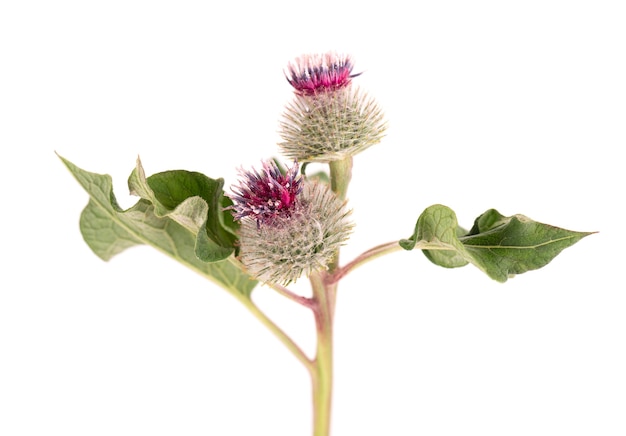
point(514, 105)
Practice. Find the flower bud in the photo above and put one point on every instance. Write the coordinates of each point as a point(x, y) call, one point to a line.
point(291, 241)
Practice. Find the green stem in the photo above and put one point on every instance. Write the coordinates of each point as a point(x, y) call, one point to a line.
point(322, 374)
point(340, 175)
point(371, 254)
point(277, 331)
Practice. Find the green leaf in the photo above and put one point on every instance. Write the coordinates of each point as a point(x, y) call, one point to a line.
point(194, 201)
point(173, 225)
point(448, 258)
point(500, 246)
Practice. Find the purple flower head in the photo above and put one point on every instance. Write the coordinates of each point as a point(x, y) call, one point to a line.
point(266, 194)
point(310, 74)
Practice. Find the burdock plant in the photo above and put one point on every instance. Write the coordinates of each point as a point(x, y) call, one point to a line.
point(278, 224)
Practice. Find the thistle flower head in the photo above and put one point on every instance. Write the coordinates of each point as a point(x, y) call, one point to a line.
point(279, 250)
point(328, 119)
point(266, 194)
point(315, 73)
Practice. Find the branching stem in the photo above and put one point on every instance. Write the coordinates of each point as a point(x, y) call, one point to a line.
point(306, 302)
point(371, 254)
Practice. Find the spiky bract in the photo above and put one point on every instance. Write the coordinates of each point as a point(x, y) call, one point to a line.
point(306, 240)
point(330, 126)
